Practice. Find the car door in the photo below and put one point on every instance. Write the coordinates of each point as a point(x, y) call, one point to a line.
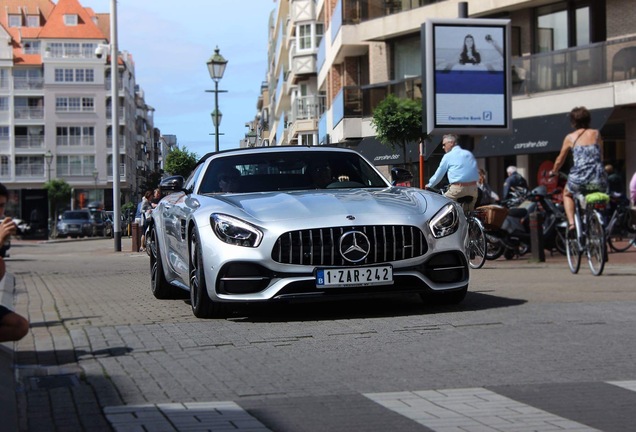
point(174, 211)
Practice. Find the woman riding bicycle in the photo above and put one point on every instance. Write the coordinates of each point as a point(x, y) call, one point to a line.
point(587, 172)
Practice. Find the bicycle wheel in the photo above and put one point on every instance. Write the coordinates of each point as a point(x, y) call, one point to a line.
point(476, 247)
point(620, 236)
point(494, 247)
point(596, 246)
point(572, 250)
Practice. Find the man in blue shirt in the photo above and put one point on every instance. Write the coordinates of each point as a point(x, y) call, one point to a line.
point(461, 168)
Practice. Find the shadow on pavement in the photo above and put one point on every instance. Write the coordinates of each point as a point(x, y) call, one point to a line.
point(368, 308)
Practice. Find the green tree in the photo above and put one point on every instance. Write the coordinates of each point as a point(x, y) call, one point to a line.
point(398, 122)
point(59, 193)
point(180, 162)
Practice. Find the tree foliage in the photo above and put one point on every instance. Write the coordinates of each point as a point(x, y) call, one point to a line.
point(398, 122)
point(180, 162)
point(59, 193)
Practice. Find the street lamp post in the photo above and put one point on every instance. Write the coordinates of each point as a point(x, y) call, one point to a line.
point(216, 67)
point(114, 75)
point(48, 157)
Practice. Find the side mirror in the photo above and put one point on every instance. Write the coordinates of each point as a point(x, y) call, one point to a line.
point(400, 176)
point(172, 184)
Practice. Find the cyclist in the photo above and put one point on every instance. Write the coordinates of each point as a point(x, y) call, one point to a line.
point(461, 168)
point(587, 171)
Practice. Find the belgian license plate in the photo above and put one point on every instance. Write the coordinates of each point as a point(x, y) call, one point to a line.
point(354, 276)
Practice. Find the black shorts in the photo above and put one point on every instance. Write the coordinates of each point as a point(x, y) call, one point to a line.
point(4, 311)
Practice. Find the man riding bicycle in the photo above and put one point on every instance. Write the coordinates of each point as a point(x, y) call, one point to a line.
point(461, 168)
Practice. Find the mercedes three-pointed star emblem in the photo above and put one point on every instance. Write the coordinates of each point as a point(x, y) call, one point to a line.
point(354, 246)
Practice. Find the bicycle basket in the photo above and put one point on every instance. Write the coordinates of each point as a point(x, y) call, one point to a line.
point(492, 216)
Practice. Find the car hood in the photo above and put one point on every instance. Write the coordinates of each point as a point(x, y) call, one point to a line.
point(276, 206)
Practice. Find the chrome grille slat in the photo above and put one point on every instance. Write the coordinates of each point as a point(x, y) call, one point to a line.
point(320, 246)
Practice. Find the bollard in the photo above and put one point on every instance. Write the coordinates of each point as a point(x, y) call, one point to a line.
point(136, 237)
point(536, 237)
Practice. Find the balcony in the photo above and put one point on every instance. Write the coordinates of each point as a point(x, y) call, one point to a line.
point(120, 142)
point(20, 83)
point(356, 11)
point(29, 142)
point(308, 107)
point(109, 113)
point(28, 113)
point(598, 63)
point(32, 171)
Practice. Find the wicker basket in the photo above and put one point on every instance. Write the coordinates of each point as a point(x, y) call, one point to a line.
point(492, 216)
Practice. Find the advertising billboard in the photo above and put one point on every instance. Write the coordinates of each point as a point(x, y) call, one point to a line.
point(466, 67)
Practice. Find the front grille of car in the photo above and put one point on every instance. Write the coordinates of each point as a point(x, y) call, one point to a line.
point(321, 246)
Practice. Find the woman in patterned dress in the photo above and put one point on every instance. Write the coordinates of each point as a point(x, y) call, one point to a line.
point(587, 172)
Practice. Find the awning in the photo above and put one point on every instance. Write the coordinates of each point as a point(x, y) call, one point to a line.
point(542, 134)
point(380, 154)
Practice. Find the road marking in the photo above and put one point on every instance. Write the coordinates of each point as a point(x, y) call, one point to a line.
point(629, 385)
point(197, 416)
point(472, 409)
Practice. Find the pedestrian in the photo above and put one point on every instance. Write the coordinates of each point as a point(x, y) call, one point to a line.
point(144, 208)
point(13, 326)
point(487, 195)
point(588, 172)
point(632, 189)
point(614, 180)
point(513, 181)
point(460, 166)
point(156, 197)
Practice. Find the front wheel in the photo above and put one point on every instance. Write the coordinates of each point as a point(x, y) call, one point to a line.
point(596, 246)
point(494, 247)
point(202, 305)
point(476, 247)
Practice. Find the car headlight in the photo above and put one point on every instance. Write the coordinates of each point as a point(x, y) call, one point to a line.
point(445, 222)
point(234, 231)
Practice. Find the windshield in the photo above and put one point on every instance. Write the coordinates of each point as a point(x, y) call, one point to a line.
point(264, 172)
point(75, 215)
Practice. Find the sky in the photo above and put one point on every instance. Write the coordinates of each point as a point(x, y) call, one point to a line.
point(171, 41)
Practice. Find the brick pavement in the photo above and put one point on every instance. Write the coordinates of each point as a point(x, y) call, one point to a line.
point(70, 366)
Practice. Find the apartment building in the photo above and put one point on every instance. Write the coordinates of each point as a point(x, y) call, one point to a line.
point(56, 108)
point(566, 53)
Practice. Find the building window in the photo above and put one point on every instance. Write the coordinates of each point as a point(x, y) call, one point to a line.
point(554, 26)
point(70, 19)
point(4, 103)
point(31, 47)
point(5, 169)
point(4, 133)
point(74, 75)
point(75, 136)
point(75, 165)
point(29, 166)
point(86, 104)
point(33, 21)
point(306, 139)
point(304, 36)
point(15, 20)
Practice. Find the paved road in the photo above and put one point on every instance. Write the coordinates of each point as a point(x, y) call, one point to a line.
point(531, 348)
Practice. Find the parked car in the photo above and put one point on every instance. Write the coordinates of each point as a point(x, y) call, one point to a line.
point(301, 223)
point(103, 223)
point(76, 223)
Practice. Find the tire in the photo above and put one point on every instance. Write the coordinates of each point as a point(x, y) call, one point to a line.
point(202, 305)
point(494, 248)
point(445, 298)
point(596, 246)
point(619, 235)
point(572, 253)
point(476, 248)
point(559, 242)
point(159, 285)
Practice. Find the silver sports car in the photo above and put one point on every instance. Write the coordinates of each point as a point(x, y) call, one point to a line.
point(284, 223)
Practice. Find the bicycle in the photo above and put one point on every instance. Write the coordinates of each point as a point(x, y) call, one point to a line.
point(476, 246)
point(621, 229)
point(475, 242)
point(589, 235)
